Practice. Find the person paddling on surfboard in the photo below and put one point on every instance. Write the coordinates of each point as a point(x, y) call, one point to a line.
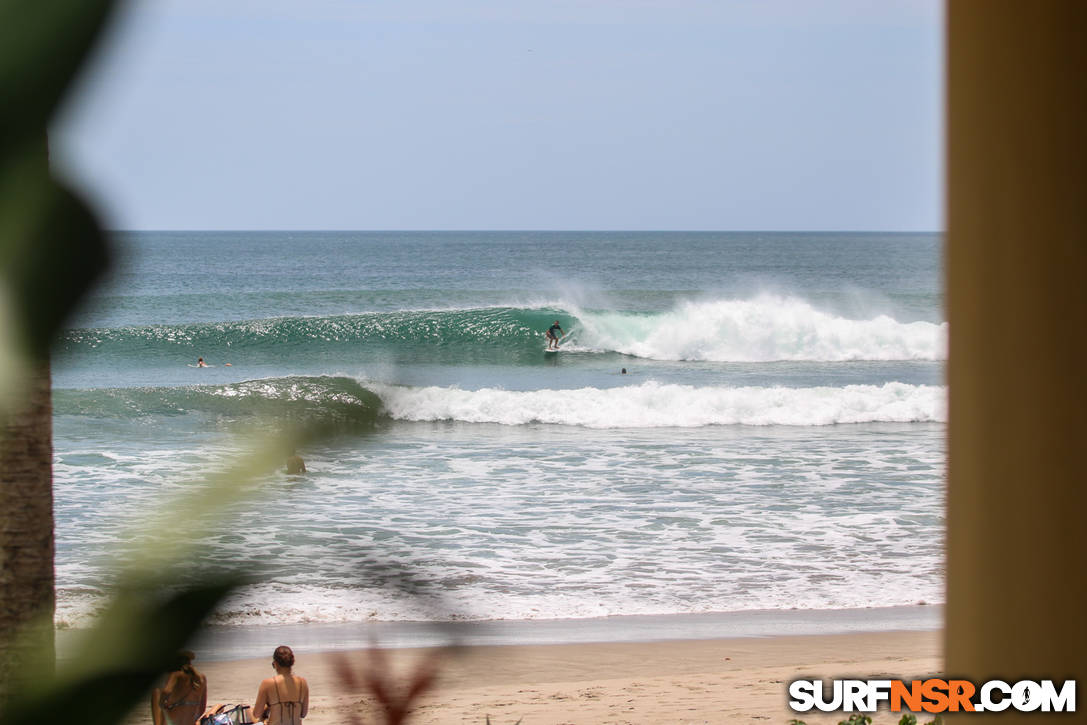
point(552, 338)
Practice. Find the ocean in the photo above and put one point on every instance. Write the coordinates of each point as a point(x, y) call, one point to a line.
point(776, 442)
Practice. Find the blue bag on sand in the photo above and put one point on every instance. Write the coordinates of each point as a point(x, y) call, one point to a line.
point(228, 715)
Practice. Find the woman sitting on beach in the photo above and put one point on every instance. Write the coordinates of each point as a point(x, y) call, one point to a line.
point(186, 693)
point(283, 699)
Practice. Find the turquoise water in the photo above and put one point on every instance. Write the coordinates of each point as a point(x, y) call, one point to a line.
point(776, 441)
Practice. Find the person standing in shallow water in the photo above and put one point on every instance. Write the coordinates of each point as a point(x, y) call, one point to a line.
point(295, 465)
point(185, 696)
point(283, 699)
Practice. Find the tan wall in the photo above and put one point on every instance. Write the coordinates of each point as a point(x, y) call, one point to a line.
point(1017, 308)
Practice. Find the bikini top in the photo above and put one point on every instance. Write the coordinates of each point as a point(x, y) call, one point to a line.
point(171, 705)
point(293, 708)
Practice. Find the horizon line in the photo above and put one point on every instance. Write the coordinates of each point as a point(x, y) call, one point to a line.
point(623, 231)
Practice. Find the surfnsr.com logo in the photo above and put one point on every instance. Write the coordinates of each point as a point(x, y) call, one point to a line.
point(932, 695)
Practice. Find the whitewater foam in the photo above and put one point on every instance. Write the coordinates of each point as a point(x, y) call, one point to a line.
point(764, 328)
point(656, 405)
point(619, 523)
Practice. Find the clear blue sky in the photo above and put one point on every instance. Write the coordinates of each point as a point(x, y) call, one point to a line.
point(514, 114)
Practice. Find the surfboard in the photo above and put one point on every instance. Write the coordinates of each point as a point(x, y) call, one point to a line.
point(561, 340)
point(201, 366)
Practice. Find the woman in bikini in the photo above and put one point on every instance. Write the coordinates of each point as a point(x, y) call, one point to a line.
point(283, 699)
point(185, 695)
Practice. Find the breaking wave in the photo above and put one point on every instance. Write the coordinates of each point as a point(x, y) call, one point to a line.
point(653, 405)
point(296, 399)
point(761, 329)
point(344, 400)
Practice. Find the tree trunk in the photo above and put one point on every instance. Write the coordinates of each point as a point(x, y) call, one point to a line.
point(27, 595)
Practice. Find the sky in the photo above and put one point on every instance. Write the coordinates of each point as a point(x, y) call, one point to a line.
point(513, 114)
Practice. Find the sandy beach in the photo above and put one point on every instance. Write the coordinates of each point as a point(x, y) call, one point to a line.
point(692, 681)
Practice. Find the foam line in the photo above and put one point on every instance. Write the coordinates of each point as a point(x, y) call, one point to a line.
point(653, 405)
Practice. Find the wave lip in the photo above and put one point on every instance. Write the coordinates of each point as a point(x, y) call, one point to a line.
point(656, 405)
point(765, 328)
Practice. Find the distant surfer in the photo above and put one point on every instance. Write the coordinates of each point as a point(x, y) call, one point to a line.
point(554, 333)
point(200, 363)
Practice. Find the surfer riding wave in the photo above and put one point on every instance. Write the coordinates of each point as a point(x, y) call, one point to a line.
point(552, 337)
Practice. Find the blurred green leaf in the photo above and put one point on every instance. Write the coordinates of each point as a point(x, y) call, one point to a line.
point(51, 248)
point(42, 46)
point(136, 641)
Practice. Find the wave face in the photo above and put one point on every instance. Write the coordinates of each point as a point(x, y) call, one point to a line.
point(488, 325)
point(299, 399)
point(653, 405)
point(761, 329)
